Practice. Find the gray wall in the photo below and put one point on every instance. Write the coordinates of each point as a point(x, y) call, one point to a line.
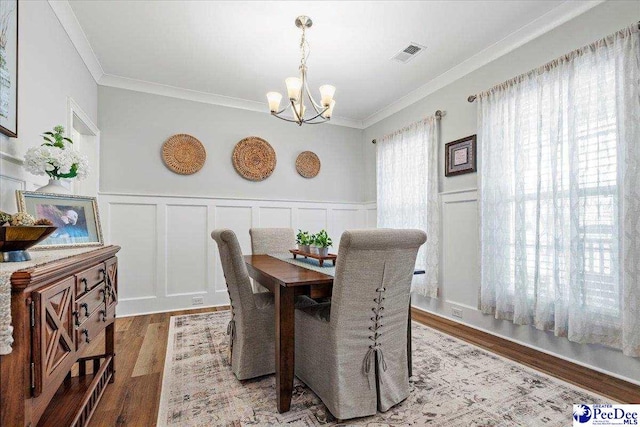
point(460, 279)
point(50, 70)
point(134, 126)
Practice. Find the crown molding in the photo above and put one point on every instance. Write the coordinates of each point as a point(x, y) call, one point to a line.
point(203, 97)
point(70, 24)
point(545, 23)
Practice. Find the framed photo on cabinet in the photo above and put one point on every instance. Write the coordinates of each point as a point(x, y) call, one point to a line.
point(460, 156)
point(76, 217)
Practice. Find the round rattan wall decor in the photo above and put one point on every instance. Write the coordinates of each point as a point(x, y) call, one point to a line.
point(308, 164)
point(183, 154)
point(254, 158)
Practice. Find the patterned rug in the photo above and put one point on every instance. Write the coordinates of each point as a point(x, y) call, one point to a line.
point(454, 384)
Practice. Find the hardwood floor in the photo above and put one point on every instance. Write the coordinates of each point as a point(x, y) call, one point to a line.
point(141, 342)
point(597, 382)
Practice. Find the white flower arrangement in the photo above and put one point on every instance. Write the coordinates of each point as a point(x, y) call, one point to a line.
point(55, 159)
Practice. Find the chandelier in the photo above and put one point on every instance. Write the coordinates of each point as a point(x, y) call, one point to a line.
point(298, 89)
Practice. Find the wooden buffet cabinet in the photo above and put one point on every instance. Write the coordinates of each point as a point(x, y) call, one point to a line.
point(57, 310)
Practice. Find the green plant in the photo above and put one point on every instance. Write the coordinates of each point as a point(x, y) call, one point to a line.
point(303, 238)
point(58, 138)
point(322, 239)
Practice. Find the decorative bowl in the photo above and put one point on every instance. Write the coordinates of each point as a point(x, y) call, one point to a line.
point(14, 241)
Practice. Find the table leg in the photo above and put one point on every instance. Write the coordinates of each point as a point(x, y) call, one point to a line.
point(409, 356)
point(285, 346)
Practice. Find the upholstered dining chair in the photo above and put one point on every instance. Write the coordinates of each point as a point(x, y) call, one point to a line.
point(352, 352)
point(251, 329)
point(270, 241)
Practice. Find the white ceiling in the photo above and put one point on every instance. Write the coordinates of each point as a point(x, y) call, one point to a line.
point(244, 49)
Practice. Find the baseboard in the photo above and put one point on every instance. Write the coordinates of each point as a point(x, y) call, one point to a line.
point(582, 375)
point(174, 311)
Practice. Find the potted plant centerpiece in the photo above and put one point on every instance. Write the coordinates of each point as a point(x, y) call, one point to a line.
point(303, 240)
point(322, 241)
point(56, 159)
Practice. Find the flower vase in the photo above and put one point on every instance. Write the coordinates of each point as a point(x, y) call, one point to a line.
point(54, 186)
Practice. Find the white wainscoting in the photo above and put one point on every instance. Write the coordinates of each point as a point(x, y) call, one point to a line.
point(13, 177)
point(168, 256)
point(460, 248)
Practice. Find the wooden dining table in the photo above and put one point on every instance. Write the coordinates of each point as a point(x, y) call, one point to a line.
point(286, 281)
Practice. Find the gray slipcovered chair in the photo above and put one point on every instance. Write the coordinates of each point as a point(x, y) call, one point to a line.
point(352, 352)
point(251, 329)
point(270, 241)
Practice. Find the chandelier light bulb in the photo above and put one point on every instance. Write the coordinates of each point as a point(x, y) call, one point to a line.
point(297, 108)
point(326, 93)
point(327, 114)
point(294, 86)
point(274, 99)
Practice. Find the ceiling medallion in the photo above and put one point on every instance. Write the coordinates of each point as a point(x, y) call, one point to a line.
point(298, 88)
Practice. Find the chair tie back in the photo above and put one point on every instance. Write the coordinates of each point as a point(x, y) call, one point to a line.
point(375, 349)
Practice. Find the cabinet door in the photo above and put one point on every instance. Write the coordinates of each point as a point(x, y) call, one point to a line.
point(111, 282)
point(53, 337)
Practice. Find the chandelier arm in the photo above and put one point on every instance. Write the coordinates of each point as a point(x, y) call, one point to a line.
point(313, 102)
point(283, 118)
point(317, 123)
point(300, 119)
point(318, 115)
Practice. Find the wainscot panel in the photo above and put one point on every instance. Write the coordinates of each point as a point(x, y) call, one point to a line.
point(168, 259)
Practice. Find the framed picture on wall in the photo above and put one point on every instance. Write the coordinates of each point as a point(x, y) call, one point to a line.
point(460, 156)
point(76, 217)
point(9, 67)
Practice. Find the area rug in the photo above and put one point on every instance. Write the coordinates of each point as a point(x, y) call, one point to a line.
point(454, 384)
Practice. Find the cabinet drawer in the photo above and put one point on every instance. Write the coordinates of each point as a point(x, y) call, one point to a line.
point(91, 328)
point(88, 303)
point(89, 279)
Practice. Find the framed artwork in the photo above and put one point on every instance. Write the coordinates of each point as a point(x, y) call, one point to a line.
point(9, 67)
point(76, 217)
point(460, 156)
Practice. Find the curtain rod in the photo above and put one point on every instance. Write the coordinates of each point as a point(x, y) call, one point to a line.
point(472, 98)
point(439, 115)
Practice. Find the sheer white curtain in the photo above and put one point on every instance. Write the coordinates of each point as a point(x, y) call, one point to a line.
point(560, 195)
point(407, 183)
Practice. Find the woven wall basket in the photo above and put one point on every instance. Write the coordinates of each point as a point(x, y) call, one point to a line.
point(308, 164)
point(183, 154)
point(254, 159)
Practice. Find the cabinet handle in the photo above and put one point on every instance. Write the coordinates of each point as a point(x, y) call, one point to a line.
point(85, 332)
point(104, 315)
point(86, 309)
point(86, 285)
point(104, 272)
point(76, 317)
point(103, 292)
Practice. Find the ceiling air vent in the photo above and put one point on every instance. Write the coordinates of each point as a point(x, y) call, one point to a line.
point(408, 53)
